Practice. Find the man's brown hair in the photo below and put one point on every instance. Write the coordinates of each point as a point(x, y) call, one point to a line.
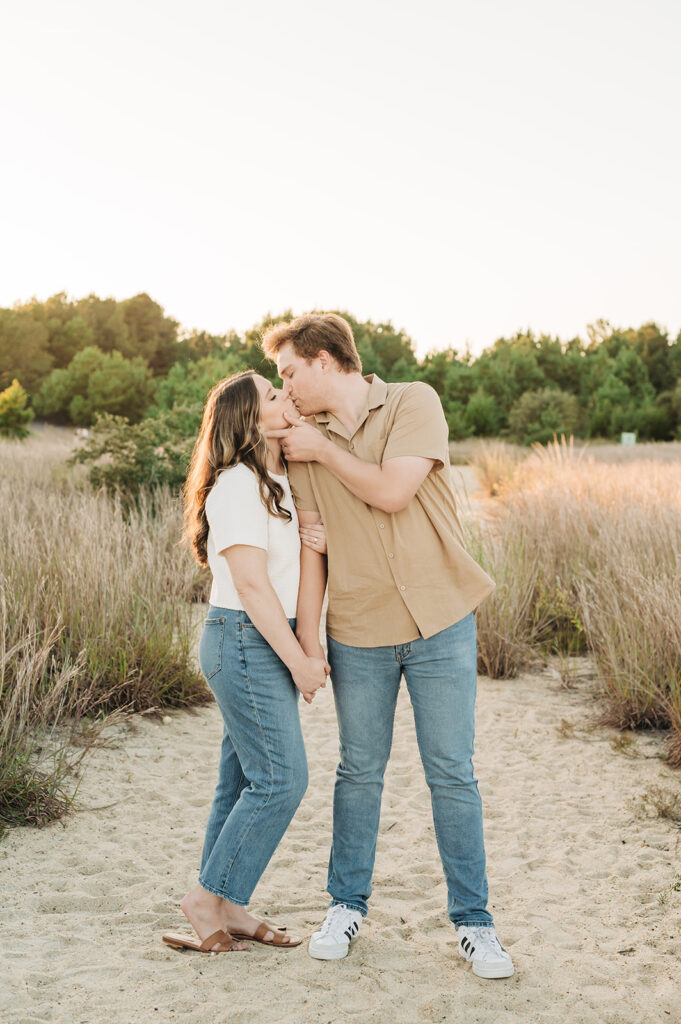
point(311, 333)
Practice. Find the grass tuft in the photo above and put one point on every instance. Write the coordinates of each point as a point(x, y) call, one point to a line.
point(587, 557)
point(95, 619)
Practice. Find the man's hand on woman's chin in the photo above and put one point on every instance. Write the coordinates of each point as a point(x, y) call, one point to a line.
point(300, 442)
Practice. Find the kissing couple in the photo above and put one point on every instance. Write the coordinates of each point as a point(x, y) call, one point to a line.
point(369, 461)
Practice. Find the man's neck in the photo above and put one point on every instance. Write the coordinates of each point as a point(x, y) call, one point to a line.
point(349, 399)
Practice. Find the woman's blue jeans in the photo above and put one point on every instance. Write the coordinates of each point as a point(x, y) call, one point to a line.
point(263, 767)
point(441, 676)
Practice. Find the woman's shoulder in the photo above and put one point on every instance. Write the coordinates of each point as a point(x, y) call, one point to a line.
point(238, 479)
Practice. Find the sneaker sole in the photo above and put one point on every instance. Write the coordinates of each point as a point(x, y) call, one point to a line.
point(324, 953)
point(490, 971)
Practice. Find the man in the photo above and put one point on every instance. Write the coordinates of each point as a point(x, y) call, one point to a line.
point(375, 467)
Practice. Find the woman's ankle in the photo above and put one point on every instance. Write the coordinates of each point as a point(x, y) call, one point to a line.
point(200, 898)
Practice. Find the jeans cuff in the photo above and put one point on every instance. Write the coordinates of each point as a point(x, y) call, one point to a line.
point(473, 924)
point(351, 906)
point(223, 895)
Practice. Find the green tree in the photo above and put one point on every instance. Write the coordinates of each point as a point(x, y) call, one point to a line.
point(151, 334)
point(676, 406)
point(188, 384)
point(481, 416)
point(657, 421)
point(652, 345)
point(67, 332)
point(196, 345)
point(23, 349)
point(97, 382)
point(14, 412)
point(383, 344)
point(611, 409)
point(539, 415)
point(507, 370)
point(106, 321)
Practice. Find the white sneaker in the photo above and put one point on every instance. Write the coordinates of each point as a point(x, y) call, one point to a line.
point(332, 941)
point(481, 947)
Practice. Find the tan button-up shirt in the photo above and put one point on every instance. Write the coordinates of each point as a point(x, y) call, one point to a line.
point(392, 576)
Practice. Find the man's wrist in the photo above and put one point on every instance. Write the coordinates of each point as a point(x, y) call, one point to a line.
point(308, 639)
point(324, 450)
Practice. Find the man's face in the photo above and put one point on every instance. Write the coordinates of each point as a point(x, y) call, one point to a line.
point(304, 382)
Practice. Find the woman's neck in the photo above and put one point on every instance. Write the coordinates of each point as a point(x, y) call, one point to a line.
point(275, 463)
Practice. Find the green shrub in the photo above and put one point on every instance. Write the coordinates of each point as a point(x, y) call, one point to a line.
point(14, 414)
point(538, 416)
point(126, 459)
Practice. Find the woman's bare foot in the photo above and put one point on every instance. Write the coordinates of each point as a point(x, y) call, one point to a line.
point(206, 914)
point(239, 920)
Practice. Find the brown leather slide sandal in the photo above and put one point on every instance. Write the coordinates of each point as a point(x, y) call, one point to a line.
point(187, 942)
point(279, 938)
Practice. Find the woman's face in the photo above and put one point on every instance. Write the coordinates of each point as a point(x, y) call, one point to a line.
point(273, 405)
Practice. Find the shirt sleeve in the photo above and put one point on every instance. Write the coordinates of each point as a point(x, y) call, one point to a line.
point(235, 512)
point(419, 427)
point(301, 486)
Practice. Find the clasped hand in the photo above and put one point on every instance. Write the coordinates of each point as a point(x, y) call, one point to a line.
point(311, 676)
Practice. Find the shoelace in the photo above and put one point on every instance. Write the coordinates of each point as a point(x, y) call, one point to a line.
point(337, 920)
point(486, 942)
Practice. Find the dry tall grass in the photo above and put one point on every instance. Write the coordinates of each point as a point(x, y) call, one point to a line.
point(496, 463)
point(590, 553)
point(94, 617)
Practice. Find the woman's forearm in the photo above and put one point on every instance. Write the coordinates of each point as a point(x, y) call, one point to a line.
point(264, 609)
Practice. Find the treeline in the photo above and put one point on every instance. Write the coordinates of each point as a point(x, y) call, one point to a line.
point(76, 360)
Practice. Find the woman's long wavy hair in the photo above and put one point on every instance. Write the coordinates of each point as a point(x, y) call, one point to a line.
point(230, 433)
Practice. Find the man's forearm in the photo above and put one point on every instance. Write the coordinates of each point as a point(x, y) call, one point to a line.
point(310, 598)
point(364, 479)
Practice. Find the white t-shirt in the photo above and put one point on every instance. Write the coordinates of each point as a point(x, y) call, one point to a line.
point(236, 515)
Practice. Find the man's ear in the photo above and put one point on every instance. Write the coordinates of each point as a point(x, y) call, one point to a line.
point(326, 360)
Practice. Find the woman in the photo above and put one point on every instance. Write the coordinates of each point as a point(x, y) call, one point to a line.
point(240, 520)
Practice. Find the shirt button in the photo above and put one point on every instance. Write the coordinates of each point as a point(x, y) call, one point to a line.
point(381, 526)
point(403, 588)
point(390, 554)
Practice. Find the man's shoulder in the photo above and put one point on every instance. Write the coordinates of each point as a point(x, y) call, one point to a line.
point(413, 393)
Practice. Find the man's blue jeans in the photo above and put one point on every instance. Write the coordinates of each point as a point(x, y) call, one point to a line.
point(441, 676)
point(263, 768)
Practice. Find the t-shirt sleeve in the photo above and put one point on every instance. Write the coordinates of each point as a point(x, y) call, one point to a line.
point(235, 512)
point(419, 427)
point(301, 487)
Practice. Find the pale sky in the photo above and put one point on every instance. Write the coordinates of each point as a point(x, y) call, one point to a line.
point(464, 169)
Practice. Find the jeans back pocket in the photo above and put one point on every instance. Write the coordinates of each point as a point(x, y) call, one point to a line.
point(210, 646)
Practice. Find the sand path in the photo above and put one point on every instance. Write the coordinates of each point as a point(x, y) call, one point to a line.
point(575, 877)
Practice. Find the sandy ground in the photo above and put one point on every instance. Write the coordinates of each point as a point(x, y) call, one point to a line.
point(581, 882)
point(575, 882)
